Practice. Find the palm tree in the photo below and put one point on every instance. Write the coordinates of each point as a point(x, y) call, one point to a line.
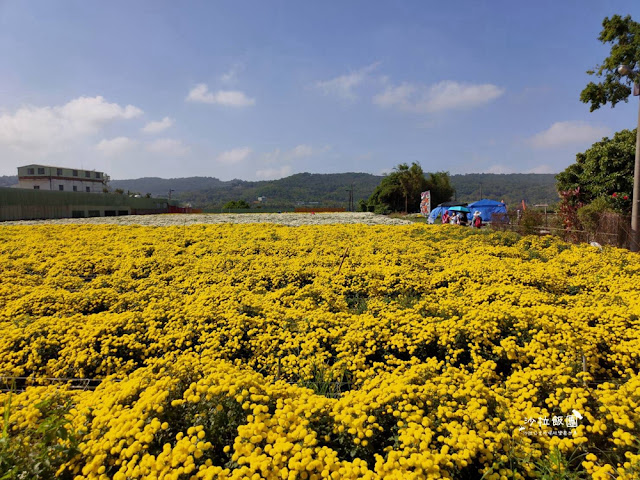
point(404, 177)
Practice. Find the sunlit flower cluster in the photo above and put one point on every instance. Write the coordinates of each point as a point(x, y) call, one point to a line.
point(332, 351)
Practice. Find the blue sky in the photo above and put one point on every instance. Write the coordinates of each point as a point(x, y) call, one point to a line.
point(265, 89)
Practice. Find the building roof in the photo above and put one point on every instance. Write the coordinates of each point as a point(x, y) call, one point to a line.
point(58, 166)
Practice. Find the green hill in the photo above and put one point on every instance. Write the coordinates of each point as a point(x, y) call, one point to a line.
point(159, 187)
point(330, 189)
point(512, 188)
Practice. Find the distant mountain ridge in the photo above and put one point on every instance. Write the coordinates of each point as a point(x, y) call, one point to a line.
point(8, 180)
point(159, 187)
point(329, 189)
point(299, 189)
point(512, 188)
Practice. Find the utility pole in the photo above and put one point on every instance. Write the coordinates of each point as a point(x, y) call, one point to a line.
point(350, 206)
point(353, 209)
point(635, 210)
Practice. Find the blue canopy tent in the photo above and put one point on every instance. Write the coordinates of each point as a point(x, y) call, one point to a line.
point(443, 207)
point(487, 208)
point(435, 213)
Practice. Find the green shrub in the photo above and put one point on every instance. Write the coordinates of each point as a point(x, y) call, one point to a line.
point(50, 443)
point(382, 209)
point(530, 222)
point(236, 205)
point(590, 215)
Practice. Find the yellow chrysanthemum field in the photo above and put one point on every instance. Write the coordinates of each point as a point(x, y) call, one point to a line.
point(311, 352)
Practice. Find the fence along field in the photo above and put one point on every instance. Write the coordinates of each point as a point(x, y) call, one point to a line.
point(332, 351)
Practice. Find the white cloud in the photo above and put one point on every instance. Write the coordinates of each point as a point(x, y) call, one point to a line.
point(499, 169)
point(168, 146)
point(395, 96)
point(234, 156)
point(231, 75)
point(562, 134)
point(281, 160)
point(296, 153)
point(368, 156)
point(157, 127)
point(445, 95)
point(35, 129)
point(344, 85)
point(231, 98)
point(95, 110)
point(542, 169)
point(449, 95)
point(274, 173)
point(115, 146)
point(301, 151)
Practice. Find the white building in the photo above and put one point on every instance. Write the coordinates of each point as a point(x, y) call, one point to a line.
point(45, 177)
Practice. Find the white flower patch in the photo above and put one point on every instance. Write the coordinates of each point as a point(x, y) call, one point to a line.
point(165, 220)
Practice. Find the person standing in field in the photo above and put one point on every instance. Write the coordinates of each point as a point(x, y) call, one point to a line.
point(445, 217)
point(477, 219)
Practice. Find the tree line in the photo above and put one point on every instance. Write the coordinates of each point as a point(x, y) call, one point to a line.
point(400, 190)
point(601, 179)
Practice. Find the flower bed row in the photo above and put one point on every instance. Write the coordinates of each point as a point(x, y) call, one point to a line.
point(344, 351)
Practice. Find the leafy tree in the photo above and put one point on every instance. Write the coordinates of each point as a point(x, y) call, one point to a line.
point(624, 36)
point(236, 205)
point(400, 190)
point(604, 170)
point(440, 185)
point(406, 182)
point(411, 180)
point(387, 196)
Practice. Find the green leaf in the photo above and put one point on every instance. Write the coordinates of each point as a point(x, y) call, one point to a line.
point(624, 36)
